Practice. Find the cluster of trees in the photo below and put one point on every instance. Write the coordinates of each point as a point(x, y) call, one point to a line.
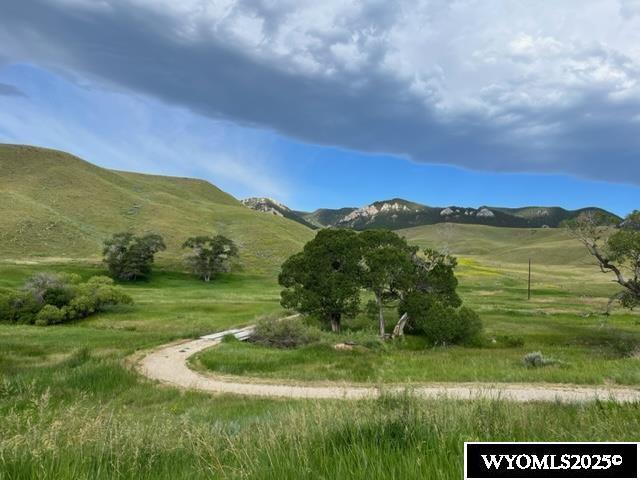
point(617, 253)
point(130, 257)
point(327, 277)
point(47, 299)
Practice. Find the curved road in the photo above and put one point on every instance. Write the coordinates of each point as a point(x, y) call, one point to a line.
point(168, 365)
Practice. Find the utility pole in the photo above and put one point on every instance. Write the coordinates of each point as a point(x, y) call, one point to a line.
point(529, 284)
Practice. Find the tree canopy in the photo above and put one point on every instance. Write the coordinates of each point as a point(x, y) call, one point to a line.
point(324, 279)
point(130, 257)
point(210, 255)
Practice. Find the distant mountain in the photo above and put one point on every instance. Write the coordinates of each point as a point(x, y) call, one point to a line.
point(398, 213)
point(269, 205)
point(326, 216)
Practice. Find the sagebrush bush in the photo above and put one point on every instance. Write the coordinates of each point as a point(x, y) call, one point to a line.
point(48, 299)
point(537, 360)
point(287, 332)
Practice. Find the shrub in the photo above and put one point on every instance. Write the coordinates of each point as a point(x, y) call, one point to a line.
point(49, 289)
point(100, 293)
point(469, 327)
point(50, 315)
point(18, 307)
point(47, 299)
point(537, 360)
point(80, 307)
point(445, 325)
point(283, 333)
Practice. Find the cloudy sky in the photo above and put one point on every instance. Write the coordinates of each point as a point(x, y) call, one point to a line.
point(338, 103)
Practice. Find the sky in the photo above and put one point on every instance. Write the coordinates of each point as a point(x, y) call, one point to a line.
point(338, 103)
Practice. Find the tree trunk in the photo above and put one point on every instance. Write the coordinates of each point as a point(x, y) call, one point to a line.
point(380, 315)
point(335, 322)
point(398, 330)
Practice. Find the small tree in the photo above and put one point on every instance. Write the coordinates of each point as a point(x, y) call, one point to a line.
point(129, 257)
point(387, 267)
point(210, 255)
point(617, 252)
point(324, 279)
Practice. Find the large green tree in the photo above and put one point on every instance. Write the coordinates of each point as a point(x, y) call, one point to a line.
point(617, 251)
point(130, 257)
point(387, 268)
point(210, 255)
point(324, 279)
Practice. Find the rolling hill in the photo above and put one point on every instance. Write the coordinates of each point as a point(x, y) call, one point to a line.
point(53, 204)
point(545, 246)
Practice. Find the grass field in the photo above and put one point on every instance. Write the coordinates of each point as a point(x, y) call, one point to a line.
point(72, 408)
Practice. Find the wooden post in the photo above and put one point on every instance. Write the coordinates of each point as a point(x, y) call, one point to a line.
point(529, 284)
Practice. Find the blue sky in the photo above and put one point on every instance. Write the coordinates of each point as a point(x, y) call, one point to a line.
point(466, 102)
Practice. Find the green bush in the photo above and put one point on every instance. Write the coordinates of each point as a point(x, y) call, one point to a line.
point(469, 327)
point(284, 333)
point(445, 325)
point(47, 299)
point(18, 307)
point(50, 315)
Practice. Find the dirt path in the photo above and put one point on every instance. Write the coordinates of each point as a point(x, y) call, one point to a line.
point(168, 364)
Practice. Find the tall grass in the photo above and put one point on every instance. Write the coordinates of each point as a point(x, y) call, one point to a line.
point(393, 437)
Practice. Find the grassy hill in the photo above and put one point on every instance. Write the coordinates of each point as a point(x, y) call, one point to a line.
point(510, 245)
point(53, 204)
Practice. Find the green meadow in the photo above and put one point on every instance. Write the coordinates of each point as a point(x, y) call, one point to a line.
point(72, 406)
point(564, 320)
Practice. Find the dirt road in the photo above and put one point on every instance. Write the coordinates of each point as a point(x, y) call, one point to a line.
point(168, 364)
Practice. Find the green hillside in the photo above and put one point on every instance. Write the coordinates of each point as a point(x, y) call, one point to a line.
point(53, 204)
point(550, 246)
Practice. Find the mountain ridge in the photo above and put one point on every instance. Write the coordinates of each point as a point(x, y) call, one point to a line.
point(398, 213)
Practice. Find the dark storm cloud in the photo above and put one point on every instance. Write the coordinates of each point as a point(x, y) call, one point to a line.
point(366, 109)
point(10, 91)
